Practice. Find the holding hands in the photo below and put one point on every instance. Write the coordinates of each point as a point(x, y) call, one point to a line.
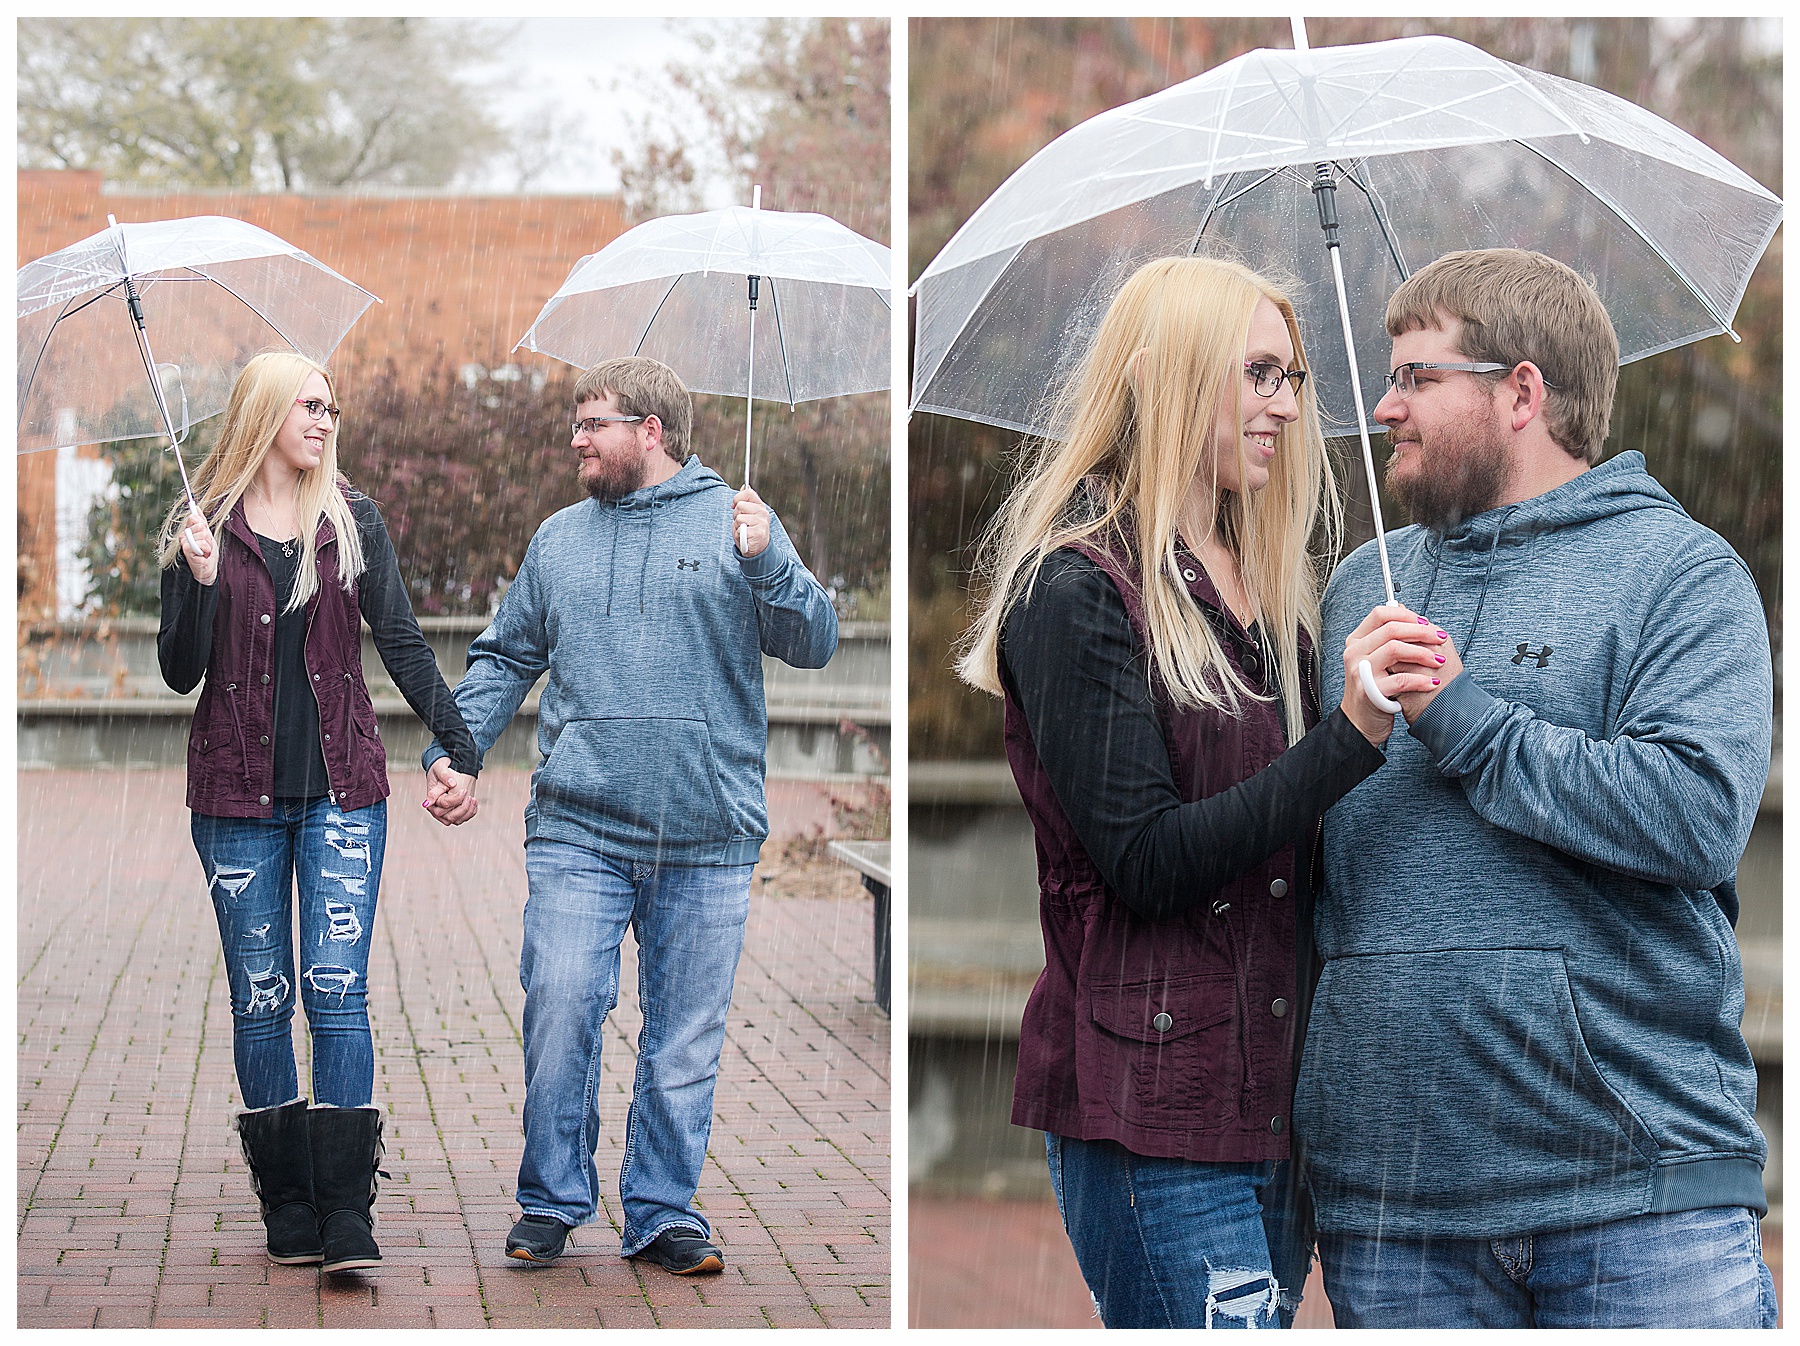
point(450, 795)
point(1412, 661)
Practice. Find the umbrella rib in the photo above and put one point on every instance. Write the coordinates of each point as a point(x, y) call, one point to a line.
point(961, 327)
point(1376, 208)
point(787, 374)
point(273, 326)
point(1217, 204)
point(67, 313)
point(644, 335)
point(1620, 214)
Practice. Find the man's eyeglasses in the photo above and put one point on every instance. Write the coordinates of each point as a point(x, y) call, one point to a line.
point(591, 426)
point(1267, 378)
point(318, 410)
point(1401, 380)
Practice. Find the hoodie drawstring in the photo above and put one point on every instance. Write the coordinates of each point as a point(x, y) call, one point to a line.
point(1486, 576)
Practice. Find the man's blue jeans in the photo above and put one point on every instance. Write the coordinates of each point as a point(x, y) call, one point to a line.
point(1695, 1268)
point(689, 925)
point(1174, 1243)
point(251, 865)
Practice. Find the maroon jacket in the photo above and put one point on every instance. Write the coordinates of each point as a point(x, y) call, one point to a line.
point(1175, 1037)
point(231, 753)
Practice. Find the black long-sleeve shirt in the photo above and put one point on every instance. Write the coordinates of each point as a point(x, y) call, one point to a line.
point(1072, 661)
point(184, 644)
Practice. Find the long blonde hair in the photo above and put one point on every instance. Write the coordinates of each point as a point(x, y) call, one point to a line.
point(261, 399)
point(1138, 428)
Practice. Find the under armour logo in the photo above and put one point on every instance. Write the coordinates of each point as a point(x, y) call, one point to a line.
point(686, 565)
point(1526, 652)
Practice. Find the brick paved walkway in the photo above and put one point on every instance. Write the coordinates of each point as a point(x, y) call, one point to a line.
point(134, 1209)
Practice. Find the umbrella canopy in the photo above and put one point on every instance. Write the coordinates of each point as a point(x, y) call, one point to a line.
point(1436, 146)
point(215, 291)
point(675, 289)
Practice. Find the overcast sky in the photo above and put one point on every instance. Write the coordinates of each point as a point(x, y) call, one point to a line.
point(595, 72)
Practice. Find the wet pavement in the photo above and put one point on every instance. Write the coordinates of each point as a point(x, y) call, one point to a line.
point(134, 1208)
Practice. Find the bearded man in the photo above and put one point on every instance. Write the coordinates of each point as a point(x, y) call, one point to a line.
point(650, 607)
point(1525, 1097)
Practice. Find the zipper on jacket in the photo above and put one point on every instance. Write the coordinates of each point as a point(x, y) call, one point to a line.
point(237, 725)
point(1239, 971)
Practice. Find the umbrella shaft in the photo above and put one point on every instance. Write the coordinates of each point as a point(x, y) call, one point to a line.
point(1362, 427)
point(156, 389)
point(749, 385)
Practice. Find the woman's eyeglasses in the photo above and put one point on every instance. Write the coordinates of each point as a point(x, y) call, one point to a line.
point(1266, 377)
point(318, 410)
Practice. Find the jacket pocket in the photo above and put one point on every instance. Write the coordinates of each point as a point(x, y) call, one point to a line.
point(1169, 1049)
point(649, 782)
point(1459, 1081)
point(216, 722)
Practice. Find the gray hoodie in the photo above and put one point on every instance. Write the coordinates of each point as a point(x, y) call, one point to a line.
point(651, 726)
point(1529, 1012)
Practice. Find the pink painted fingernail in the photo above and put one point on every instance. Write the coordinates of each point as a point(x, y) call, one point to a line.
point(1443, 635)
point(1434, 682)
point(1423, 622)
point(1438, 657)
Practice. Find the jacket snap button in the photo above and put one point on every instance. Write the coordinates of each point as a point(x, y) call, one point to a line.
point(328, 738)
point(1220, 908)
point(1279, 1009)
point(265, 679)
point(1278, 888)
point(1277, 1125)
point(262, 799)
point(265, 740)
point(265, 619)
point(1162, 1023)
point(315, 677)
point(1188, 575)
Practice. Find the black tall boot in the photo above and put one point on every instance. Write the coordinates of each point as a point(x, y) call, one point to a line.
point(278, 1151)
point(346, 1158)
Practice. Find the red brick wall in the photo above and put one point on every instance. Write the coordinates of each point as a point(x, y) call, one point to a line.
point(459, 276)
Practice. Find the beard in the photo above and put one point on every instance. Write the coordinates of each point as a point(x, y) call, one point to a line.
point(610, 479)
point(1464, 475)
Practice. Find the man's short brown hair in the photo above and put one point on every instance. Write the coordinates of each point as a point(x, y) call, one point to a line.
point(1516, 305)
point(641, 386)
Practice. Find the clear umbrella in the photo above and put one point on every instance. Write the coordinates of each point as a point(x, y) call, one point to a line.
point(1419, 146)
point(191, 299)
point(685, 290)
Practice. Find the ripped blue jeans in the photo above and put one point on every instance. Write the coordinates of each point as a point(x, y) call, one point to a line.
point(251, 865)
point(1177, 1243)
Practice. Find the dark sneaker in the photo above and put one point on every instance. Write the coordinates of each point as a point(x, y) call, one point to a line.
point(537, 1238)
point(683, 1252)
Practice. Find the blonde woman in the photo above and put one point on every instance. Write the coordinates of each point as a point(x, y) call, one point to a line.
point(1150, 616)
point(263, 586)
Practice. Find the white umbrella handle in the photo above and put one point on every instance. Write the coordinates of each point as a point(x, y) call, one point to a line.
point(1370, 690)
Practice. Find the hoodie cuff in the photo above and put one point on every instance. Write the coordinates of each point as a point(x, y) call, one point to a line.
point(764, 565)
point(434, 753)
point(1450, 717)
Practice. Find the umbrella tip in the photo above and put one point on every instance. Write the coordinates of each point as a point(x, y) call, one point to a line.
point(756, 197)
point(112, 222)
point(1299, 26)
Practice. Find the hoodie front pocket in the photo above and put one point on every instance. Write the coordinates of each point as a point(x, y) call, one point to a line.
point(1458, 1081)
point(652, 781)
point(1169, 1053)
